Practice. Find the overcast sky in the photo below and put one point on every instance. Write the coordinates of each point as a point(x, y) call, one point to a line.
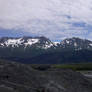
point(55, 19)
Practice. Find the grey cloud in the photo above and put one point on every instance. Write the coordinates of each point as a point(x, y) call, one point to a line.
point(55, 19)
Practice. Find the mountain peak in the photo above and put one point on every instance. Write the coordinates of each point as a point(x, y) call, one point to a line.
point(76, 43)
point(39, 42)
point(44, 43)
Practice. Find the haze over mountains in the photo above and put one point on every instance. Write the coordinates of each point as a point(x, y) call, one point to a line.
point(41, 50)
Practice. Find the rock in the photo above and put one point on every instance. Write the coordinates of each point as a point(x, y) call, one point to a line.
point(24, 78)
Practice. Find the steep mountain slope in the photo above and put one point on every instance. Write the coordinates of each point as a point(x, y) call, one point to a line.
point(38, 42)
point(41, 50)
point(45, 43)
point(76, 43)
point(15, 77)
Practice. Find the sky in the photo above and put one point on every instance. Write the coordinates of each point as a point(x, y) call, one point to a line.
point(55, 19)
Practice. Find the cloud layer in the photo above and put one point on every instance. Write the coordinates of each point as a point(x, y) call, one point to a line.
point(56, 19)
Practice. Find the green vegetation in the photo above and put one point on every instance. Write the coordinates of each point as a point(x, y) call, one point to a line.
point(76, 67)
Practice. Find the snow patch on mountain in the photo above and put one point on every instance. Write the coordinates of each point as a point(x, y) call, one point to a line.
point(31, 42)
point(90, 44)
point(19, 41)
point(67, 41)
point(75, 44)
point(13, 42)
point(42, 43)
point(46, 46)
point(56, 43)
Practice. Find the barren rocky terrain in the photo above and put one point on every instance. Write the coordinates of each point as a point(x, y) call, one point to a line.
point(15, 77)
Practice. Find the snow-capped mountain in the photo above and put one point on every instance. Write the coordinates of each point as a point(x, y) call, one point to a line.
point(76, 43)
point(41, 50)
point(45, 43)
point(39, 42)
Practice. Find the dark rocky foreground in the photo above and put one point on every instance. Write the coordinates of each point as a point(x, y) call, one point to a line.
point(16, 77)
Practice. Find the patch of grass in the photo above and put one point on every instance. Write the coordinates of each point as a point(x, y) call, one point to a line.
point(76, 67)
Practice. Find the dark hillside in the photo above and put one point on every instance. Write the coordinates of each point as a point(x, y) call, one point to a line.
point(15, 77)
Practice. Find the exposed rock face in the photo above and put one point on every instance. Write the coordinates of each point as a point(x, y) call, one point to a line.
point(23, 78)
point(45, 43)
point(25, 42)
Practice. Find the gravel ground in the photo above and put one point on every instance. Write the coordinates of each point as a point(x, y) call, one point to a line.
point(16, 77)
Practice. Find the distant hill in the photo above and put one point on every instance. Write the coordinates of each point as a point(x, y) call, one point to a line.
point(40, 50)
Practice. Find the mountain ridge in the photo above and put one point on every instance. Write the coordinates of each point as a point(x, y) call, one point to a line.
point(5, 41)
point(42, 50)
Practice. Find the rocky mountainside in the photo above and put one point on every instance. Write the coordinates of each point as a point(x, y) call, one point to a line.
point(40, 50)
point(15, 77)
point(76, 43)
point(37, 42)
point(45, 43)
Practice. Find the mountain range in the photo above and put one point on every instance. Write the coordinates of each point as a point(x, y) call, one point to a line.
point(41, 50)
